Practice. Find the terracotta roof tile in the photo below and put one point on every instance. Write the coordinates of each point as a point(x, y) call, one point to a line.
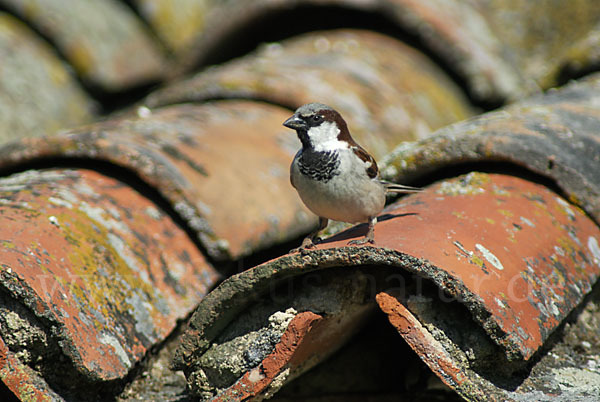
point(101, 275)
point(364, 75)
point(222, 166)
point(492, 45)
point(99, 51)
point(118, 229)
point(486, 265)
point(39, 94)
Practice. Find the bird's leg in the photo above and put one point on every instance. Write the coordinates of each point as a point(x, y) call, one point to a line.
point(309, 241)
point(369, 237)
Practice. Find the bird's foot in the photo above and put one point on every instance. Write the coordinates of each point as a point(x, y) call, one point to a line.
point(307, 244)
point(362, 241)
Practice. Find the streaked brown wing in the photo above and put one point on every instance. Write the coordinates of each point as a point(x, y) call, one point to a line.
point(372, 170)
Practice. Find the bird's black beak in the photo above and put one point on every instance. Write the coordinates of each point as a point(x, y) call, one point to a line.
point(295, 123)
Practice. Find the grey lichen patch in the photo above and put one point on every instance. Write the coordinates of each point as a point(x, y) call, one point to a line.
point(469, 184)
point(468, 343)
point(275, 385)
point(141, 310)
point(252, 336)
point(570, 369)
point(230, 356)
point(577, 381)
point(34, 342)
point(27, 340)
point(28, 178)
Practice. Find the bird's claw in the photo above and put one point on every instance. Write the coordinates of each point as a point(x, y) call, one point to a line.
point(307, 244)
point(301, 249)
point(359, 242)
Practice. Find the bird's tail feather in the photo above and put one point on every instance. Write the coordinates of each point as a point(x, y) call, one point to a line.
point(400, 188)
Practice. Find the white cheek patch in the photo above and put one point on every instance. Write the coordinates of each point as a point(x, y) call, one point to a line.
point(324, 137)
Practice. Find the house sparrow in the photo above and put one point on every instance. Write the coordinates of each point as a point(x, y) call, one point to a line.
point(334, 176)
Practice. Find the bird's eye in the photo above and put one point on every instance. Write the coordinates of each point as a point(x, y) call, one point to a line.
point(317, 118)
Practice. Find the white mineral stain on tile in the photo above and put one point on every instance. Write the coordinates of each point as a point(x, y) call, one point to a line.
point(527, 221)
point(566, 207)
point(68, 196)
point(255, 375)
point(60, 202)
point(500, 303)
point(128, 256)
point(592, 244)
point(153, 212)
point(110, 340)
point(103, 217)
point(144, 112)
point(488, 255)
point(141, 311)
point(558, 250)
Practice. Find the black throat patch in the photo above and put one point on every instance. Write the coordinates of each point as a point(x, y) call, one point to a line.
point(319, 165)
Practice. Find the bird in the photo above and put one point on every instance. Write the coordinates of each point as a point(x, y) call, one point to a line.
point(336, 178)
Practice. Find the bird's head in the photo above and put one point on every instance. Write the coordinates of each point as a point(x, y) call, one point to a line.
point(318, 126)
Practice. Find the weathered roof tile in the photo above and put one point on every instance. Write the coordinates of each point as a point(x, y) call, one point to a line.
point(39, 94)
point(487, 265)
point(386, 90)
point(98, 268)
point(223, 167)
point(98, 38)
